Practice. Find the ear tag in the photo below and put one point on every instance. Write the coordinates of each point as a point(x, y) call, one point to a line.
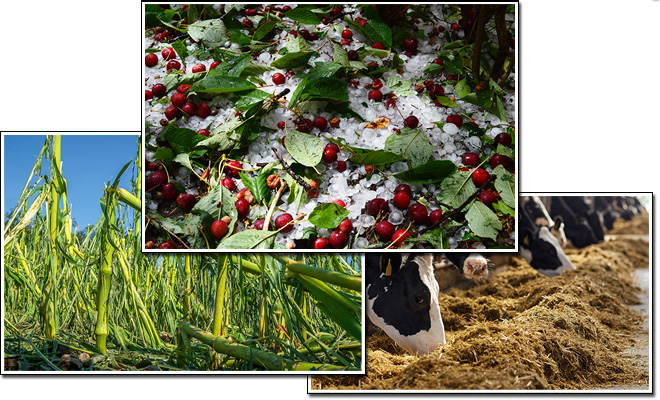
point(388, 270)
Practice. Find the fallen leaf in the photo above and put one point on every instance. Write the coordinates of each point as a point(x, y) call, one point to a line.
point(378, 123)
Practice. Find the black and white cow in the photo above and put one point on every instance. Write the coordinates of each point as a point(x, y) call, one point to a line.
point(459, 270)
point(577, 227)
point(541, 248)
point(402, 300)
point(538, 213)
point(471, 265)
point(584, 206)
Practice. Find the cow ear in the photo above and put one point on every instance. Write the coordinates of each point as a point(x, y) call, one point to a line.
point(527, 237)
point(390, 263)
point(558, 220)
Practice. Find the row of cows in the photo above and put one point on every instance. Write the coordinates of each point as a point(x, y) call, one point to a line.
point(403, 289)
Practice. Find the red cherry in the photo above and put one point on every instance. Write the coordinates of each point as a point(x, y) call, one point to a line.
point(229, 184)
point(148, 94)
point(376, 206)
point(167, 245)
point(189, 108)
point(278, 78)
point(199, 68)
point(173, 65)
point(345, 226)
point(455, 119)
point(259, 224)
point(471, 159)
point(243, 207)
point(150, 60)
point(178, 99)
point(320, 243)
point(418, 213)
point(435, 216)
point(219, 229)
point(353, 55)
point(363, 22)
point(283, 221)
point(398, 237)
point(339, 202)
point(168, 54)
point(403, 188)
point(333, 146)
point(329, 155)
point(183, 88)
point(385, 230)
point(320, 123)
point(347, 34)
point(169, 191)
point(480, 176)
point(185, 201)
point(503, 138)
point(335, 11)
point(156, 179)
point(487, 197)
point(436, 90)
point(411, 43)
point(377, 84)
point(204, 132)
point(498, 159)
point(438, 61)
point(172, 112)
point(203, 110)
point(455, 27)
point(341, 166)
point(401, 200)
point(378, 45)
point(338, 239)
point(159, 90)
point(214, 65)
point(281, 125)
point(232, 168)
point(375, 95)
point(411, 122)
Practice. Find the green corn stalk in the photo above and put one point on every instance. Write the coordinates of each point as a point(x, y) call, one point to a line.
point(109, 205)
point(269, 361)
point(218, 315)
point(50, 318)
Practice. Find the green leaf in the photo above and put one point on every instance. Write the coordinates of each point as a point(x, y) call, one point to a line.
point(305, 149)
point(222, 84)
point(295, 44)
point(304, 16)
point(184, 159)
point(249, 239)
point(502, 208)
point(345, 110)
point(248, 99)
point(447, 102)
point(292, 60)
point(263, 30)
point(437, 238)
point(327, 89)
point(503, 150)
point(433, 68)
point(339, 55)
point(432, 172)
point(457, 188)
point(232, 67)
point(505, 184)
point(378, 32)
point(211, 32)
point(373, 157)
point(297, 93)
point(482, 220)
point(412, 144)
point(181, 140)
point(397, 84)
point(382, 53)
point(175, 78)
point(321, 70)
point(328, 215)
point(255, 69)
point(181, 50)
point(168, 224)
point(237, 36)
point(462, 88)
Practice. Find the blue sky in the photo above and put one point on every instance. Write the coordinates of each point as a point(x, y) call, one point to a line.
point(89, 162)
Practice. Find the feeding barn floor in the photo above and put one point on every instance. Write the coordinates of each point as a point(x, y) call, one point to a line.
point(583, 330)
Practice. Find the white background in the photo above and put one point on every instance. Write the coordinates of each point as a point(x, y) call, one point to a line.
point(589, 108)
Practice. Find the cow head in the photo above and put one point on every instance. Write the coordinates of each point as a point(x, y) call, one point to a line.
point(402, 300)
point(543, 252)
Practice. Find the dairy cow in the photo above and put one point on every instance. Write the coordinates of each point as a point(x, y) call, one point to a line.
point(541, 248)
point(538, 213)
point(402, 300)
point(585, 208)
point(577, 227)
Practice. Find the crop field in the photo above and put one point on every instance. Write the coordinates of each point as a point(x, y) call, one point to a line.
point(586, 329)
point(92, 301)
point(323, 127)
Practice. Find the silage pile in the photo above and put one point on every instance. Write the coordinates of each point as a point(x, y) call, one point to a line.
point(522, 330)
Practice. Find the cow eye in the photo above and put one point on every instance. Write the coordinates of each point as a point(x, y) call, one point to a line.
point(419, 299)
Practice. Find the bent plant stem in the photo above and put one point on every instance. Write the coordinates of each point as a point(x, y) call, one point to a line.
point(269, 361)
point(50, 319)
point(273, 205)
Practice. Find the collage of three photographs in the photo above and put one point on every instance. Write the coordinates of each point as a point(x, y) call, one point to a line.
point(328, 191)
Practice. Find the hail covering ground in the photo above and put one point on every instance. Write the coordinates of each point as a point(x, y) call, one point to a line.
point(449, 142)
